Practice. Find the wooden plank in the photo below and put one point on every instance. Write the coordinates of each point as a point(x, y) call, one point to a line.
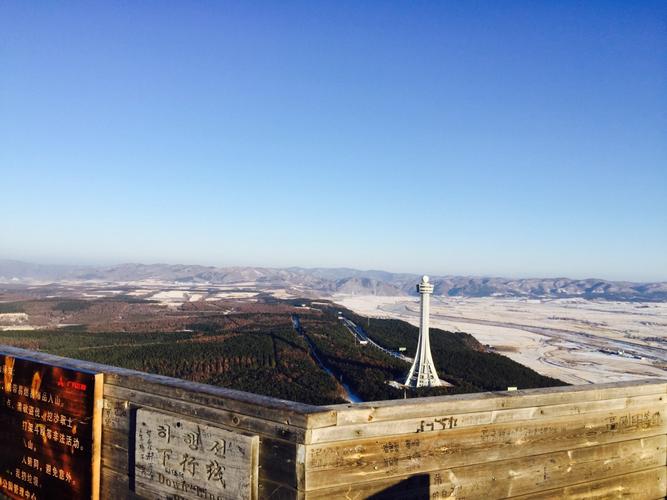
point(232, 420)
point(377, 458)
point(427, 425)
point(278, 464)
point(186, 457)
point(115, 485)
point(115, 454)
point(264, 407)
point(277, 460)
point(274, 491)
point(277, 469)
point(514, 477)
point(115, 412)
point(277, 457)
point(97, 433)
point(646, 485)
point(487, 401)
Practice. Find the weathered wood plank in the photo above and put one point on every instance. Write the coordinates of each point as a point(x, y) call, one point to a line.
point(274, 491)
point(278, 464)
point(347, 462)
point(646, 485)
point(509, 478)
point(264, 407)
point(267, 491)
point(277, 471)
point(428, 425)
point(277, 461)
point(487, 401)
point(597, 441)
point(174, 455)
point(115, 486)
point(115, 454)
point(231, 420)
point(277, 457)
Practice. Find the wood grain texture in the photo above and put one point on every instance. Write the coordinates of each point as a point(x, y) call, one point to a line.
point(133, 398)
point(174, 455)
point(348, 462)
point(593, 441)
point(277, 457)
point(487, 401)
point(264, 407)
point(115, 485)
point(97, 434)
point(445, 421)
point(646, 485)
point(507, 478)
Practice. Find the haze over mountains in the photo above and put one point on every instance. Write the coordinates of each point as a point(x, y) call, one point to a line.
point(325, 281)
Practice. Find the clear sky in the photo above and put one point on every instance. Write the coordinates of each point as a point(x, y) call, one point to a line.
point(487, 138)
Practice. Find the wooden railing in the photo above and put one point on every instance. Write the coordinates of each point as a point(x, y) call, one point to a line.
point(592, 441)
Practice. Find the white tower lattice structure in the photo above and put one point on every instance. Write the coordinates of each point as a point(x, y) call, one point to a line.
point(422, 373)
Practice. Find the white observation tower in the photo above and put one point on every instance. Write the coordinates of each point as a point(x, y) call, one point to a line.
point(422, 373)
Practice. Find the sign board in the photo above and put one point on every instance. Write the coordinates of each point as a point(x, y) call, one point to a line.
point(180, 458)
point(50, 431)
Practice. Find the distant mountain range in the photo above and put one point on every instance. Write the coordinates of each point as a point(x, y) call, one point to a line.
point(327, 281)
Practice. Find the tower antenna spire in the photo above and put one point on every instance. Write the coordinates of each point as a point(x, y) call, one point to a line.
point(422, 372)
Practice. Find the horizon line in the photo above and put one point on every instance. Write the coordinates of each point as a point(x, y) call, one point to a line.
point(433, 275)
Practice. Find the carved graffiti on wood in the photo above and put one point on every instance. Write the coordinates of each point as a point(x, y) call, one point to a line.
point(176, 457)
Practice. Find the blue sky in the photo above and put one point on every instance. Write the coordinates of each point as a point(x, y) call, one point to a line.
point(486, 138)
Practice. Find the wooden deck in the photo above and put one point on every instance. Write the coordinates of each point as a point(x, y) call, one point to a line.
point(593, 441)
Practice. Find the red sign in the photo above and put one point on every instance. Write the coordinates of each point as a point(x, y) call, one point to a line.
point(50, 429)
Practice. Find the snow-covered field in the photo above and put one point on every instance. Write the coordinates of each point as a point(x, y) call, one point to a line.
point(15, 321)
point(233, 295)
point(575, 340)
point(13, 318)
point(176, 297)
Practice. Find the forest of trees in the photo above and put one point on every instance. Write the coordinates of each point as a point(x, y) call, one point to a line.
point(11, 307)
point(459, 358)
point(257, 349)
point(365, 369)
point(274, 362)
